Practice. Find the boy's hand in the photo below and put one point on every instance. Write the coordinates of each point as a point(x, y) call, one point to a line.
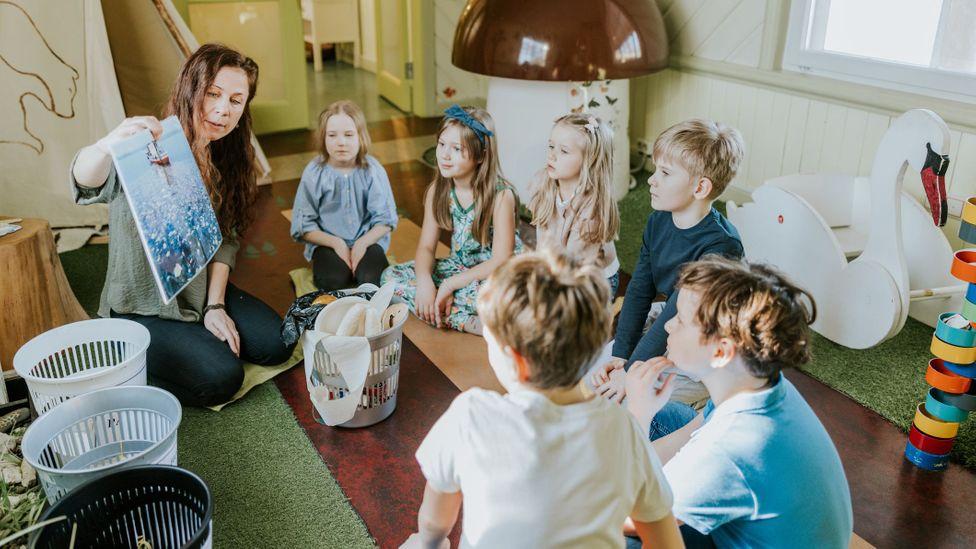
point(426, 291)
point(602, 375)
point(645, 401)
point(615, 388)
point(444, 301)
point(415, 541)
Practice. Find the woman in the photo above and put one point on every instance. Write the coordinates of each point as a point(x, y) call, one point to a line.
point(201, 338)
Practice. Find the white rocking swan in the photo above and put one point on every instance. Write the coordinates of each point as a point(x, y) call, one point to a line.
point(869, 253)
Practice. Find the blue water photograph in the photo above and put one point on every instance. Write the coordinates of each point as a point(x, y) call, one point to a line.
point(170, 204)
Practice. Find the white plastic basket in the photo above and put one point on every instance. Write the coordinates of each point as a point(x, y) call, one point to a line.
point(100, 432)
point(378, 400)
point(81, 357)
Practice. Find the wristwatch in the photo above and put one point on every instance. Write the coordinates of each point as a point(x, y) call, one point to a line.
point(212, 307)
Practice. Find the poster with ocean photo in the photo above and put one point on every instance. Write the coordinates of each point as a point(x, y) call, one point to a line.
point(170, 204)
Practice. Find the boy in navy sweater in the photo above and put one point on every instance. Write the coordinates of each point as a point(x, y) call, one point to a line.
point(694, 161)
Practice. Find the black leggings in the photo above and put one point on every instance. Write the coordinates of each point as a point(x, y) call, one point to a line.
point(187, 360)
point(332, 273)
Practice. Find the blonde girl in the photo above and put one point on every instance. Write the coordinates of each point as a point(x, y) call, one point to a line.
point(469, 198)
point(572, 203)
point(344, 209)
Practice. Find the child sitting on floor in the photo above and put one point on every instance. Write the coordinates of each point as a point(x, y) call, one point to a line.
point(344, 209)
point(693, 163)
point(756, 468)
point(542, 466)
point(469, 198)
point(572, 205)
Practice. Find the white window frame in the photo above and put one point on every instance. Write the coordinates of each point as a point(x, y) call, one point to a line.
point(805, 29)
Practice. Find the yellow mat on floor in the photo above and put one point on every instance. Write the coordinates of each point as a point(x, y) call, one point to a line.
point(255, 375)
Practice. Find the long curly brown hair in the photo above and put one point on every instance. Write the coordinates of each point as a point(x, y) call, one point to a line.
point(228, 164)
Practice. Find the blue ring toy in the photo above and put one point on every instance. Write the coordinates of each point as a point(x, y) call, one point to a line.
point(967, 232)
point(954, 336)
point(965, 401)
point(935, 404)
point(971, 293)
point(925, 460)
point(964, 370)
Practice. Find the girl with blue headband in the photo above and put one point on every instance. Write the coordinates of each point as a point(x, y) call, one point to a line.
point(469, 198)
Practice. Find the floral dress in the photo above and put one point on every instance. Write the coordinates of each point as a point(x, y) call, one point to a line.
point(466, 252)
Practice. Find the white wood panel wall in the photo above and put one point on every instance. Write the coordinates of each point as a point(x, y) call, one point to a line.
point(721, 30)
point(787, 133)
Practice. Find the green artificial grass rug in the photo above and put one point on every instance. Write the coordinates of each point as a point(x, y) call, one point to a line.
point(270, 487)
point(888, 379)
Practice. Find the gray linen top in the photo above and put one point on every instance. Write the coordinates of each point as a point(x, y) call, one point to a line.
point(129, 284)
point(346, 206)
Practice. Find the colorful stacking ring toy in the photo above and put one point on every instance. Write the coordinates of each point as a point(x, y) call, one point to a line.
point(964, 370)
point(953, 353)
point(932, 445)
point(954, 336)
point(969, 211)
point(925, 460)
point(971, 289)
point(964, 265)
point(969, 310)
point(965, 401)
point(936, 406)
point(967, 232)
point(932, 426)
point(940, 377)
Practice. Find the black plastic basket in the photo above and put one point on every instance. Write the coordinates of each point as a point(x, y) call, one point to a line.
point(165, 506)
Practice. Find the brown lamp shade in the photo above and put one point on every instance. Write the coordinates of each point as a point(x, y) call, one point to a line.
point(561, 40)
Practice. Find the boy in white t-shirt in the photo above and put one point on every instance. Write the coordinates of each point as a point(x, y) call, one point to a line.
point(542, 466)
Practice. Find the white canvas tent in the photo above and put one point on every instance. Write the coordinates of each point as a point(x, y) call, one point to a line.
point(70, 72)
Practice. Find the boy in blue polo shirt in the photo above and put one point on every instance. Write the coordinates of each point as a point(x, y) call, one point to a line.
point(756, 468)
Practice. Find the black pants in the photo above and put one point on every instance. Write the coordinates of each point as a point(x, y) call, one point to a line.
point(332, 273)
point(187, 360)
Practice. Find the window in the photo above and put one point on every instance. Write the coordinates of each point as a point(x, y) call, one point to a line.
point(921, 46)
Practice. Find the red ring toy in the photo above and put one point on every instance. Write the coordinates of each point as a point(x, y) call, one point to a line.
point(941, 377)
point(930, 444)
point(964, 265)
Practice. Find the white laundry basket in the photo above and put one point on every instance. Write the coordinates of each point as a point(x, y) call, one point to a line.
point(100, 432)
point(380, 392)
point(81, 357)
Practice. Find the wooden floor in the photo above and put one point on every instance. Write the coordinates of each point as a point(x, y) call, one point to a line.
point(895, 504)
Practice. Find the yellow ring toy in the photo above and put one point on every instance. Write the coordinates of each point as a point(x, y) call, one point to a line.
point(932, 426)
point(951, 353)
point(969, 210)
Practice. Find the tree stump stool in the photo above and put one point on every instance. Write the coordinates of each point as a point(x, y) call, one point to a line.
point(34, 291)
